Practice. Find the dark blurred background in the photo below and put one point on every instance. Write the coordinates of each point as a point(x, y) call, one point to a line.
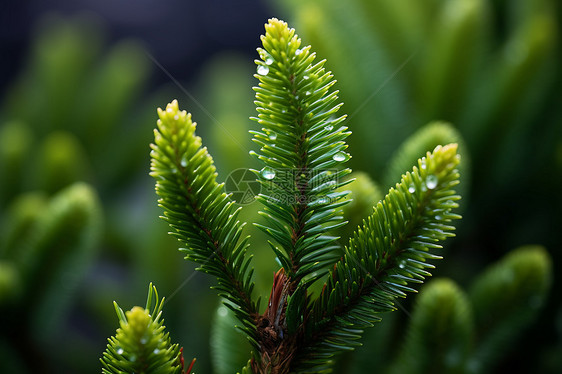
point(181, 35)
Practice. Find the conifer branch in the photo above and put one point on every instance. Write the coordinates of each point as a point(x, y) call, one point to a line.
point(303, 148)
point(385, 255)
point(141, 344)
point(201, 215)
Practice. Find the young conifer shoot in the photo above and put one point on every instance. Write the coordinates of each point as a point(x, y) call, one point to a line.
point(140, 344)
point(303, 152)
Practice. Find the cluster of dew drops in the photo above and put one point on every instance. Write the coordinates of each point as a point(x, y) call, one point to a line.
point(120, 351)
point(430, 181)
point(267, 172)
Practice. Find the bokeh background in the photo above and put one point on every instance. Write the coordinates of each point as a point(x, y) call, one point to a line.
point(79, 86)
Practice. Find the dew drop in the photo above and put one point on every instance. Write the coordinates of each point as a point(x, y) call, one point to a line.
point(307, 93)
point(176, 117)
point(267, 173)
point(423, 165)
point(305, 77)
point(339, 157)
point(431, 182)
point(438, 218)
point(269, 60)
point(329, 128)
point(119, 351)
point(298, 52)
point(263, 70)
point(143, 341)
point(412, 189)
point(402, 264)
point(273, 136)
point(183, 162)
point(156, 351)
point(323, 200)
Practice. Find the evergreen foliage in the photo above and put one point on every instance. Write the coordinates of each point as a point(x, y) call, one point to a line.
point(303, 153)
point(387, 253)
point(398, 63)
point(303, 148)
point(201, 214)
point(140, 344)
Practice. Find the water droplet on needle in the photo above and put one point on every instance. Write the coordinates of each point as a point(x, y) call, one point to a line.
point(340, 156)
point(263, 70)
point(267, 173)
point(431, 181)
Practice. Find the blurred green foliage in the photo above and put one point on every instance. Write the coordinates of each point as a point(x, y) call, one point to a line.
point(488, 71)
point(74, 129)
point(85, 94)
point(456, 332)
point(46, 246)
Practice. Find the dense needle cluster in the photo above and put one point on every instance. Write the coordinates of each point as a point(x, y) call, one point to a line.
point(303, 151)
point(140, 344)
